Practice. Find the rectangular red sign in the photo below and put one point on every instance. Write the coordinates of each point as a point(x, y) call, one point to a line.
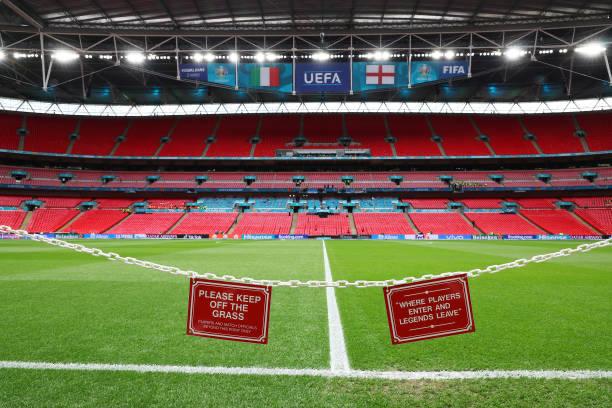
point(229, 311)
point(429, 309)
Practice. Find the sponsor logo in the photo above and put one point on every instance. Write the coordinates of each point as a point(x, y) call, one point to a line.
point(453, 69)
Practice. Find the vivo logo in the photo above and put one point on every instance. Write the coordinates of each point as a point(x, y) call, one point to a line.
point(322, 78)
point(453, 69)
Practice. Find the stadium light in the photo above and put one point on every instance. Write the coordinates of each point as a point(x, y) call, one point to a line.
point(591, 49)
point(514, 53)
point(260, 57)
point(379, 55)
point(270, 56)
point(233, 57)
point(320, 56)
point(135, 57)
point(436, 54)
point(2, 55)
point(450, 54)
point(64, 56)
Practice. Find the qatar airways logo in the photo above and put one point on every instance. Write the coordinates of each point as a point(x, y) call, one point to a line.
point(322, 78)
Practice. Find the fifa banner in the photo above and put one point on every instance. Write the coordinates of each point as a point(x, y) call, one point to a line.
point(331, 77)
point(428, 71)
point(273, 76)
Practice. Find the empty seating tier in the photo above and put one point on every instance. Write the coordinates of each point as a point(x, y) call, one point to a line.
point(263, 223)
point(313, 225)
point(557, 222)
point(154, 223)
point(96, 221)
point(50, 220)
point(442, 223)
point(496, 223)
point(205, 223)
point(382, 223)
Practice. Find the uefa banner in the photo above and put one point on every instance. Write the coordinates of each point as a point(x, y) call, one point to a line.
point(222, 74)
point(273, 76)
point(332, 77)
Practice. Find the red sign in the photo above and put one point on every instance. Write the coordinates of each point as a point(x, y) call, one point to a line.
point(229, 311)
point(429, 309)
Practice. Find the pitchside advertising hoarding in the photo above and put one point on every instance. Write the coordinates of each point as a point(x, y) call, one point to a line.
point(331, 77)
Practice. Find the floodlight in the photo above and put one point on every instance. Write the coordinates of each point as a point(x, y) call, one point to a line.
point(381, 55)
point(2, 55)
point(514, 53)
point(436, 54)
point(233, 57)
point(135, 57)
point(591, 49)
point(260, 57)
point(450, 54)
point(64, 56)
point(320, 56)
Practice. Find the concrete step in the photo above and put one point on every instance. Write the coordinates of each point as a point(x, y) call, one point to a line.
point(352, 225)
point(294, 220)
point(230, 231)
point(26, 220)
point(412, 224)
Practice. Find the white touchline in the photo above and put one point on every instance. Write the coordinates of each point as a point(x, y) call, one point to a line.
point(337, 347)
point(312, 372)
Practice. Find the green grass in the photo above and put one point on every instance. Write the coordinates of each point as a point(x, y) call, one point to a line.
point(61, 306)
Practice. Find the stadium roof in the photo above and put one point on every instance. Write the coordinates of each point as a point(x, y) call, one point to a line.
point(291, 15)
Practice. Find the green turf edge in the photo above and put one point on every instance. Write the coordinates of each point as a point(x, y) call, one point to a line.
point(34, 388)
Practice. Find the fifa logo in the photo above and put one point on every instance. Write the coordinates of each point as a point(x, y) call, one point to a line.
point(453, 69)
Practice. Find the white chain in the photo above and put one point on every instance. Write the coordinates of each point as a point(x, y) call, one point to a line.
point(112, 256)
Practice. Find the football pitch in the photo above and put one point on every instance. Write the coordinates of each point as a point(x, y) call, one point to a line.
point(61, 307)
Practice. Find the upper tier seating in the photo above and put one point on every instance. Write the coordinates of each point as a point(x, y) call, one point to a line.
point(535, 202)
point(234, 133)
point(168, 203)
point(189, 137)
point(234, 136)
point(459, 137)
point(496, 223)
point(442, 223)
point(13, 219)
point(49, 136)
point(51, 219)
point(598, 128)
point(557, 222)
point(423, 203)
point(154, 223)
point(600, 218)
point(61, 202)
point(554, 134)
point(9, 139)
point(96, 221)
point(413, 136)
point(114, 203)
point(313, 225)
point(481, 202)
point(12, 201)
point(205, 223)
point(382, 223)
point(263, 223)
point(591, 202)
point(98, 136)
point(506, 137)
point(370, 132)
point(143, 137)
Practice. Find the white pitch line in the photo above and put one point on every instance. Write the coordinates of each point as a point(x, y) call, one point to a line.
point(312, 372)
point(338, 356)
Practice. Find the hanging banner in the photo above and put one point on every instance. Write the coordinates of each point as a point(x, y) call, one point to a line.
point(428, 71)
point(229, 311)
point(328, 77)
point(272, 76)
point(222, 73)
point(196, 72)
point(429, 309)
point(369, 76)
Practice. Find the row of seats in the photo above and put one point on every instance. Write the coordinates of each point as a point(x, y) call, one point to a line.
point(532, 221)
point(233, 135)
point(284, 180)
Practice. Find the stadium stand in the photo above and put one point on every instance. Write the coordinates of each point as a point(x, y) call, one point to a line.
point(277, 132)
point(433, 203)
point(413, 136)
point(322, 131)
point(49, 135)
point(13, 219)
point(96, 221)
point(313, 225)
point(205, 223)
point(143, 137)
point(9, 139)
point(370, 132)
point(599, 218)
point(12, 201)
point(263, 223)
point(382, 223)
point(154, 223)
point(189, 137)
point(499, 223)
point(557, 222)
point(554, 134)
point(98, 136)
point(50, 219)
point(598, 128)
point(459, 137)
point(506, 137)
point(442, 223)
point(233, 138)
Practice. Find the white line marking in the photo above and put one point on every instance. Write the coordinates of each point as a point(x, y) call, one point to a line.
point(338, 356)
point(312, 372)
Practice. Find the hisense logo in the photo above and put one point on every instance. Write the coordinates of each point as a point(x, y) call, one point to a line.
point(453, 69)
point(322, 78)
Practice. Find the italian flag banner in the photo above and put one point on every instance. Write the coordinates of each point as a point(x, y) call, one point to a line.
point(265, 76)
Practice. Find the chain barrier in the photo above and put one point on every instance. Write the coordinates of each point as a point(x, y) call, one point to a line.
point(474, 273)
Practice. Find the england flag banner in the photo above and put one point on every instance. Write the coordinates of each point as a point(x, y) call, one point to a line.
point(380, 75)
point(329, 77)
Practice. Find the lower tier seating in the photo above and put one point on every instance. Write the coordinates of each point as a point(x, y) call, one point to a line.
point(13, 219)
point(96, 221)
point(313, 225)
point(50, 219)
point(496, 223)
point(382, 223)
point(600, 218)
point(442, 223)
point(557, 222)
point(155, 223)
point(205, 223)
point(263, 223)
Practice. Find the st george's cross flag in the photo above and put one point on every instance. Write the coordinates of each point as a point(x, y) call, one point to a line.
point(380, 74)
point(265, 76)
